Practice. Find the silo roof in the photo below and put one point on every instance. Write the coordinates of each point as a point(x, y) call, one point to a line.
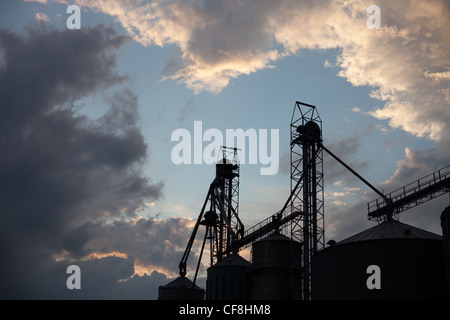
point(276, 237)
point(233, 260)
point(391, 229)
point(181, 282)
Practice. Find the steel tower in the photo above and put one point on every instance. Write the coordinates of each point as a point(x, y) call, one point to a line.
point(220, 213)
point(307, 186)
point(226, 198)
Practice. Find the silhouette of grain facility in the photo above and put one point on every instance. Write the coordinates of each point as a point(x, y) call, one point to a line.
point(391, 260)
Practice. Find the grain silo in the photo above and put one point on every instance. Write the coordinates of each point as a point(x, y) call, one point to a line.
point(405, 262)
point(227, 279)
point(181, 289)
point(445, 224)
point(276, 272)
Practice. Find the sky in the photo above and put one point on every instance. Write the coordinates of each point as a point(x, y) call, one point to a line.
point(87, 115)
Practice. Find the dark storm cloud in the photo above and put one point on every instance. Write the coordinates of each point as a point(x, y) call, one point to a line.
point(158, 243)
point(58, 169)
point(153, 241)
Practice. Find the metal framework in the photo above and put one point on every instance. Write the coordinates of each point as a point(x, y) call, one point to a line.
point(411, 195)
point(219, 213)
point(302, 216)
point(226, 196)
point(307, 186)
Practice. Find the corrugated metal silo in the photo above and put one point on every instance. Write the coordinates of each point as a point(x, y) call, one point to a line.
point(445, 224)
point(227, 279)
point(276, 271)
point(410, 264)
point(181, 289)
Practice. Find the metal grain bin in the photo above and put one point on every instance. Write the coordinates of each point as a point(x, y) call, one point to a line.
point(445, 224)
point(410, 262)
point(181, 289)
point(276, 271)
point(227, 279)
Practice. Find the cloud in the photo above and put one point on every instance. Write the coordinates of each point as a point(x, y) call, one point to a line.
point(218, 40)
point(159, 242)
point(339, 203)
point(126, 259)
point(345, 149)
point(406, 61)
point(39, 1)
point(416, 165)
point(418, 56)
point(61, 173)
point(41, 17)
point(338, 194)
